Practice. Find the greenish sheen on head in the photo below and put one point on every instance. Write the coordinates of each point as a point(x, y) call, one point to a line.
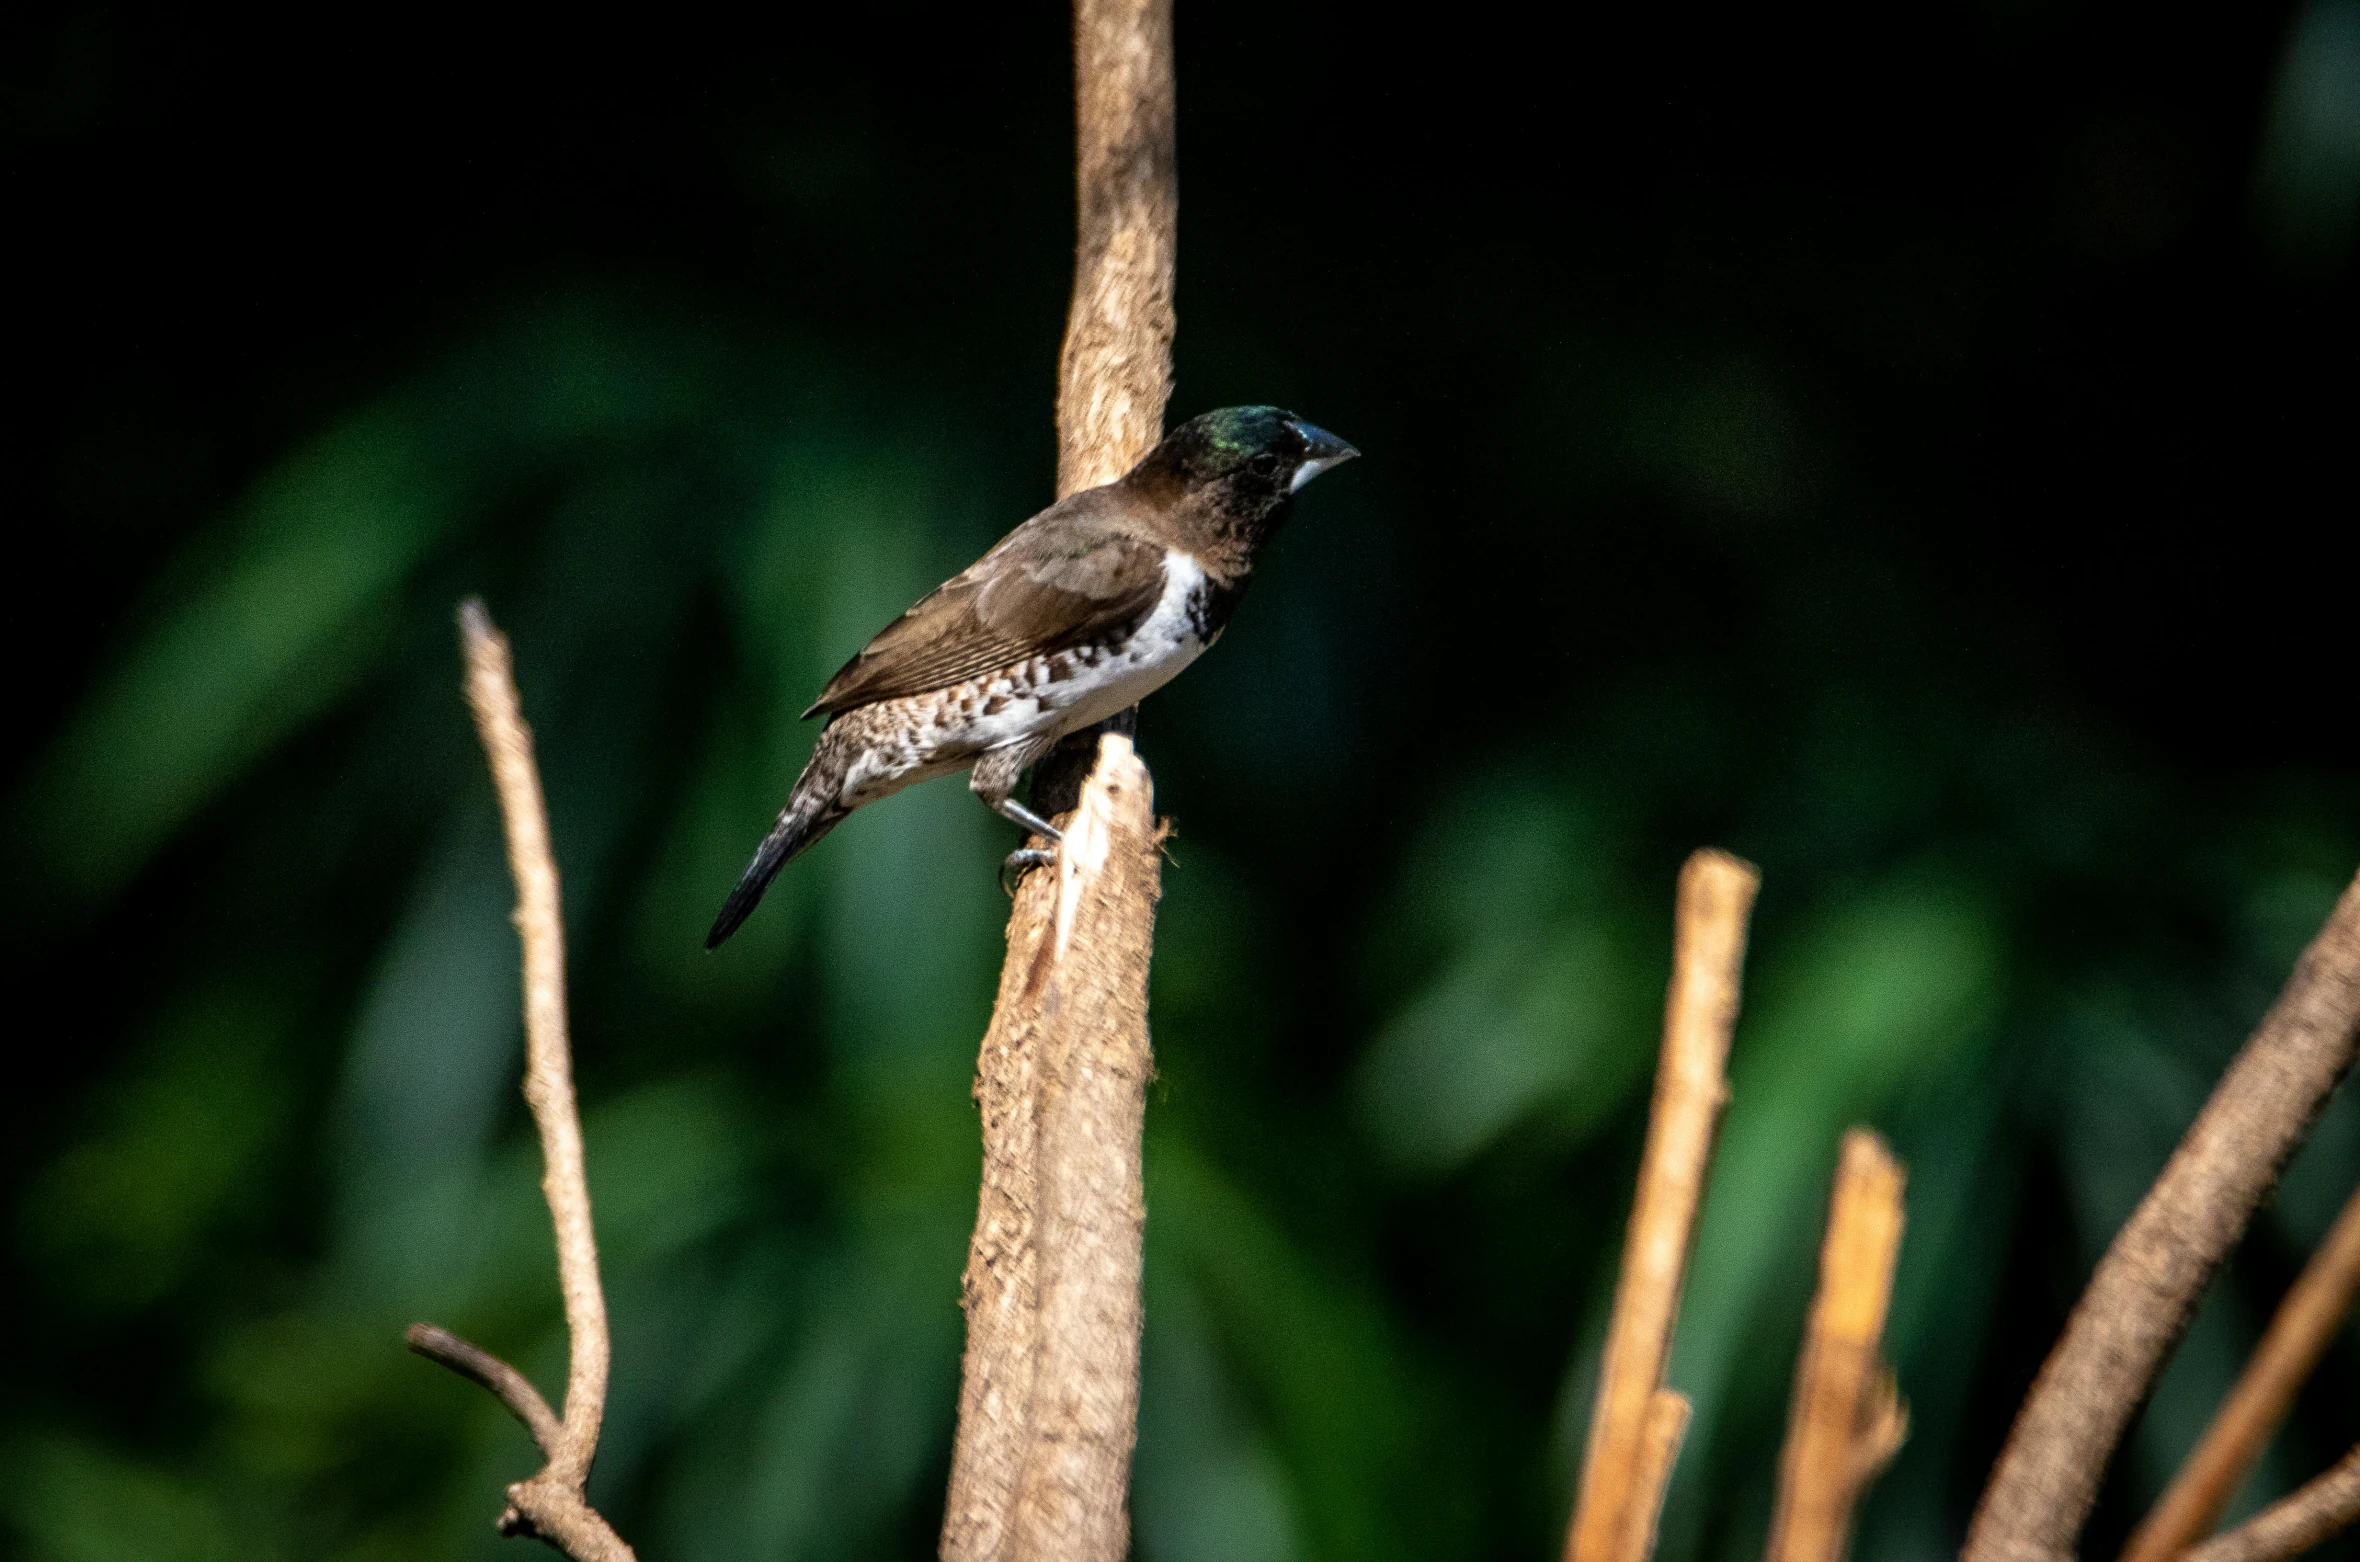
point(1236, 434)
point(1258, 455)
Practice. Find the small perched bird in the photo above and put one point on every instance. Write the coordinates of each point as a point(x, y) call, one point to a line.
point(1081, 612)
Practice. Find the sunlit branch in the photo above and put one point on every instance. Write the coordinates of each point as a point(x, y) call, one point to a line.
point(1846, 1421)
point(1636, 1424)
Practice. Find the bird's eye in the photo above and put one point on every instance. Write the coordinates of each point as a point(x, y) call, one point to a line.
point(1265, 464)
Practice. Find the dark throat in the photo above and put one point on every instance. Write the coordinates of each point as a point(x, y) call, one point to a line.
point(1226, 532)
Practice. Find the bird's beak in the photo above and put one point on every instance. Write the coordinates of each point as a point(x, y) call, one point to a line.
point(1326, 451)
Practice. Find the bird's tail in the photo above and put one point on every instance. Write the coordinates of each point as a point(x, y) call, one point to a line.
point(811, 812)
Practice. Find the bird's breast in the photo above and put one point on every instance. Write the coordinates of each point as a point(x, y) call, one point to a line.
point(1090, 682)
point(1050, 692)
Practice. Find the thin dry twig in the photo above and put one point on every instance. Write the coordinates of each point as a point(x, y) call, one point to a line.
point(2293, 1524)
point(514, 1389)
point(2299, 1332)
point(1634, 1428)
point(550, 1505)
point(2139, 1298)
point(1049, 1387)
point(1846, 1421)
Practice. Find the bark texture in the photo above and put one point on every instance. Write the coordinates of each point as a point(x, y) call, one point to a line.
point(1115, 373)
point(1049, 1396)
point(2140, 1297)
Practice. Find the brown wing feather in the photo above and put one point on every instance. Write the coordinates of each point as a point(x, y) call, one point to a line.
point(1066, 576)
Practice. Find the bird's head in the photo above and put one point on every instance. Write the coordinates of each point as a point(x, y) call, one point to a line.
point(1238, 466)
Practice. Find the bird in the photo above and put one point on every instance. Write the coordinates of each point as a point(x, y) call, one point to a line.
point(1078, 613)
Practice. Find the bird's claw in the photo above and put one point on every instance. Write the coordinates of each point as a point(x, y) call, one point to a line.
point(1014, 866)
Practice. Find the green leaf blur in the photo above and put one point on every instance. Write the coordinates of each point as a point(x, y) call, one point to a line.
point(1648, 552)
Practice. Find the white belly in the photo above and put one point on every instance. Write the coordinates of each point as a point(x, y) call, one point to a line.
point(1088, 684)
point(943, 731)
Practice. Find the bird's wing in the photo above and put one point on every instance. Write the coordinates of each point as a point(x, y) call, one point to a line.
point(1046, 587)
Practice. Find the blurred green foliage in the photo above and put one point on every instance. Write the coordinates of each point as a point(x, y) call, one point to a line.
point(1766, 514)
point(781, 1144)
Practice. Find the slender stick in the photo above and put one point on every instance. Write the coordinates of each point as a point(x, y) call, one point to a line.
point(1049, 1388)
point(515, 1390)
point(548, 1067)
point(2139, 1298)
point(550, 1505)
point(2293, 1524)
point(1624, 1468)
point(2299, 1332)
point(1846, 1421)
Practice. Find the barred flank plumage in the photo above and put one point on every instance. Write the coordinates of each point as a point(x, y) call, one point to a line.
point(1090, 606)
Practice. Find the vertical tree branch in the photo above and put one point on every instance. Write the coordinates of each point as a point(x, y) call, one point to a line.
point(1846, 1420)
point(1636, 1424)
point(1049, 1398)
point(2140, 1296)
point(1072, 1501)
point(1114, 374)
point(551, 1504)
point(2299, 1332)
point(1049, 1386)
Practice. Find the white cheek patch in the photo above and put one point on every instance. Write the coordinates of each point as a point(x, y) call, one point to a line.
point(1311, 469)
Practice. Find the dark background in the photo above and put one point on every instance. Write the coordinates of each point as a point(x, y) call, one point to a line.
point(1910, 450)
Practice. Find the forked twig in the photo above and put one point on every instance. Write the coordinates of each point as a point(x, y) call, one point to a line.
point(2293, 1524)
point(1636, 1424)
point(550, 1505)
point(2299, 1332)
point(1846, 1421)
point(514, 1389)
point(2140, 1297)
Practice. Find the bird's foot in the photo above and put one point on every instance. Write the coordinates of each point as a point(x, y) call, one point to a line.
point(1021, 861)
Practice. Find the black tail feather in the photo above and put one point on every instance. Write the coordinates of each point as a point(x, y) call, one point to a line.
point(797, 828)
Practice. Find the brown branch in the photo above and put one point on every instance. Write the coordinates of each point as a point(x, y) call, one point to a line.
point(1115, 371)
point(2293, 1524)
point(2140, 1296)
point(551, 1504)
point(1846, 1421)
point(1634, 1432)
point(1048, 1391)
point(514, 1389)
point(1660, 1433)
point(1049, 1398)
point(2299, 1332)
